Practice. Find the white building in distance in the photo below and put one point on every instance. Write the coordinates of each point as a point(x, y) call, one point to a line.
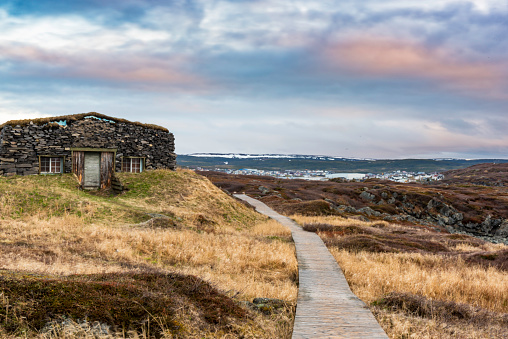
point(348, 176)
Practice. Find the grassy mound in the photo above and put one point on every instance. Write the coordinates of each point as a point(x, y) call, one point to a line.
point(154, 303)
point(446, 310)
point(172, 256)
point(181, 195)
point(453, 317)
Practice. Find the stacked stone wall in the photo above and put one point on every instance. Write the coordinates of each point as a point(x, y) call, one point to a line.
point(21, 146)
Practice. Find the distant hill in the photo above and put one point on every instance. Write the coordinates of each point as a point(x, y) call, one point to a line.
point(281, 162)
point(461, 203)
point(481, 174)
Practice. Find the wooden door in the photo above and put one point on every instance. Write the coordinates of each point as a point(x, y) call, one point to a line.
point(92, 175)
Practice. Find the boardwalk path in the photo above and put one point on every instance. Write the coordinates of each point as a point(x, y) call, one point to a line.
point(326, 307)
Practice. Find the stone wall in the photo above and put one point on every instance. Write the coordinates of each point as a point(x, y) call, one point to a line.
point(21, 145)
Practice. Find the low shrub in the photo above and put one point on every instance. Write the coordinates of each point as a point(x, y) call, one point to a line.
point(127, 302)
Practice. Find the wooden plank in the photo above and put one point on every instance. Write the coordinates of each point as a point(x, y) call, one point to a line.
point(326, 307)
point(91, 149)
point(107, 168)
point(78, 165)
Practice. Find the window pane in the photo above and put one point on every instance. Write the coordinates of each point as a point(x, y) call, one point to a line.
point(45, 165)
point(51, 165)
point(126, 165)
point(55, 165)
point(136, 167)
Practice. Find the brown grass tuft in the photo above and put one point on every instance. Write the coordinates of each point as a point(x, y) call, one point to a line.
point(437, 309)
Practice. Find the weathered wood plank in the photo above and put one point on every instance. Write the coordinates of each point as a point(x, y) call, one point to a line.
point(92, 170)
point(326, 307)
point(107, 168)
point(78, 165)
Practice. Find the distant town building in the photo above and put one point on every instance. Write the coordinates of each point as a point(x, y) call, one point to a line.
point(347, 176)
point(399, 176)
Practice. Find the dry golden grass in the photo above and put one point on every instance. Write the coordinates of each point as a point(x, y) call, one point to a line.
point(373, 275)
point(490, 247)
point(272, 228)
point(402, 325)
point(335, 220)
point(250, 263)
point(211, 236)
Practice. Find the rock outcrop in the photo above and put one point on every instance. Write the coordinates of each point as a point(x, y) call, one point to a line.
point(435, 213)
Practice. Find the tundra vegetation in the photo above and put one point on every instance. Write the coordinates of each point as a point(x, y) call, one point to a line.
point(173, 256)
point(419, 280)
point(420, 283)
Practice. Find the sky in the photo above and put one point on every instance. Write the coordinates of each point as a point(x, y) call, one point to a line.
point(376, 79)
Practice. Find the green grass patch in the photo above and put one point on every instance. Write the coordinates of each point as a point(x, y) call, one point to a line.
point(49, 196)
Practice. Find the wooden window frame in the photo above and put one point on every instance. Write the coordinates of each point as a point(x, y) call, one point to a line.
point(62, 164)
point(141, 164)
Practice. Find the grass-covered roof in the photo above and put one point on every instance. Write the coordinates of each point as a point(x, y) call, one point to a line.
point(80, 116)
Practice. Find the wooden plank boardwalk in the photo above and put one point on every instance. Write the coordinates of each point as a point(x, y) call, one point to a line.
point(326, 307)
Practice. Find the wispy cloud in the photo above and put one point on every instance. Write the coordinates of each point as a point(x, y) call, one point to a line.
point(392, 59)
point(129, 70)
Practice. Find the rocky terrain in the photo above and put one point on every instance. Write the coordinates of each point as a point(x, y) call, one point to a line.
point(425, 258)
point(457, 205)
point(482, 174)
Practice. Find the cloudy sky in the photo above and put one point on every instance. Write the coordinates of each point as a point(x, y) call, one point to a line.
point(381, 79)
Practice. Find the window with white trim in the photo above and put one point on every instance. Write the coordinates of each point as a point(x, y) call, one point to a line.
point(51, 165)
point(133, 165)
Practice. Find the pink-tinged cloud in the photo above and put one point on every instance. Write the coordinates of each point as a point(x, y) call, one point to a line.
point(129, 69)
point(144, 70)
point(28, 53)
point(369, 57)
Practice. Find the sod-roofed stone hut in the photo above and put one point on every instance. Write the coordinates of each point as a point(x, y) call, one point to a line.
point(91, 145)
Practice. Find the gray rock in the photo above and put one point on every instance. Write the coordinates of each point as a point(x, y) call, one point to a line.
point(502, 231)
point(263, 190)
point(360, 217)
point(369, 211)
point(268, 305)
point(348, 209)
point(367, 196)
point(331, 202)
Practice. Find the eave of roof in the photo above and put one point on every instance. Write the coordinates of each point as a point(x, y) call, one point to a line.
point(80, 116)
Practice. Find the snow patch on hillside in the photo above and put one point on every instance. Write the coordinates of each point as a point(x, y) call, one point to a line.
point(273, 156)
